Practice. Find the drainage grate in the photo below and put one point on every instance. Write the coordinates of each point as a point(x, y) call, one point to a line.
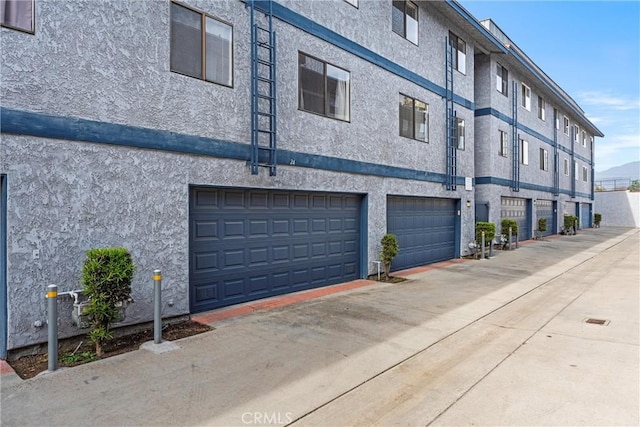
point(597, 321)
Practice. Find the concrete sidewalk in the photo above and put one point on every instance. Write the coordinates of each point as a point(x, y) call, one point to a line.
point(454, 345)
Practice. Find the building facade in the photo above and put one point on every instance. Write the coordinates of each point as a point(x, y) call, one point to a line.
point(247, 149)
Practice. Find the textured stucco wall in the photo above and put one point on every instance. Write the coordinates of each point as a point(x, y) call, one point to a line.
point(618, 208)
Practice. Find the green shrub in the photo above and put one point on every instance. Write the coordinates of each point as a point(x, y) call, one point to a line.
point(390, 249)
point(489, 229)
point(508, 222)
point(597, 218)
point(106, 280)
point(542, 224)
point(570, 223)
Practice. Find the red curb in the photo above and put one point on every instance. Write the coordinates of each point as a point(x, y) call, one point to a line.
point(277, 302)
point(5, 368)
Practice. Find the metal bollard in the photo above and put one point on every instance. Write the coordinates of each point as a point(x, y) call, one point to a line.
point(482, 247)
point(52, 297)
point(157, 307)
point(509, 238)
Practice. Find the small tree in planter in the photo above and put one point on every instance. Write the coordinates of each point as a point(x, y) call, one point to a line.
point(106, 280)
point(570, 224)
point(505, 224)
point(597, 218)
point(542, 226)
point(390, 249)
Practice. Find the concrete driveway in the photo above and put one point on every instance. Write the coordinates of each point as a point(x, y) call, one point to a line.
point(496, 342)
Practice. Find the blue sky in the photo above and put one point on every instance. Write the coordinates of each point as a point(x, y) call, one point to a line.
point(592, 50)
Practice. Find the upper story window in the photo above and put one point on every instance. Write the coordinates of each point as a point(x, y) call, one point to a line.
point(323, 88)
point(541, 109)
point(575, 171)
point(584, 138)
point(17, 14)
point(524, 152)
point(544, 159)
point(566, 167)
point(502, 80)
point(404, 19)
point(460, 133)
point(201, 46)
point(566, 125)
point(459, 53)
point(576, 132)
point(503, 148)
point(526, 96)
point(557, 116)
point(591, 143)
point(585, 174)
point(414, 118)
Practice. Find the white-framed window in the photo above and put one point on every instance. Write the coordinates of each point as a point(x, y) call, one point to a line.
point(18, 15)
point(460, 133)
point(524, 152)
point(503, 149)
point(414, 118)
point(565, 168)
point(323, 88)
point(576, 133)
point(459, 47)
point(404, 19)
point(541, 108)
point(591, 143)
point(352, 2)
point(502, 80)
point(584, 139)
point(544, 159)
point(575, 171)
point(585, 174)
point(526, 96)
point(557, 116)
point(201, 46)
point(566, 125)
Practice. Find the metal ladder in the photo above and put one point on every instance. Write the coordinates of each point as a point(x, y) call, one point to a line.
point(556, 156)
point(263, 90)
point(515, 179)
point(451, 121)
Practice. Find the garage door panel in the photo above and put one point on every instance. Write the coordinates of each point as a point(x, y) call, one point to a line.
point(544, 209)
point(425, 229)
point(516, 209)
point(249, 244)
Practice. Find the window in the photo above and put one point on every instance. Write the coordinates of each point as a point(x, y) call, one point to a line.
point(201, 46)
point(544, 159)
point(541, 108)
point(353, 2)
point(323, 88)
point(502, 80)
point(591, 143)
point(404, 20)
point(585, 174)
point(526, 96)
point(566, 126)
point(503, 150)
point(17, 14)
point(557, 116)
point(566, 167)
point(414, 119)
point(576, 132)
point(459, 52)
point(584, 138)
point(524, 152)
point(460, 133)
point(575, 170)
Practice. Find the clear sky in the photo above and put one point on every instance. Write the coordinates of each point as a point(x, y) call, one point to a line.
point(592, 50)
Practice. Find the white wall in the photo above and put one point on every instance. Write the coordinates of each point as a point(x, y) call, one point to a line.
point(618, 208)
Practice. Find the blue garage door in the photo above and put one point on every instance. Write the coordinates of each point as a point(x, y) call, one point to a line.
point(544, 209)
point(425, 228)
point(516, 209)
point(585, 215)
point(251, 244)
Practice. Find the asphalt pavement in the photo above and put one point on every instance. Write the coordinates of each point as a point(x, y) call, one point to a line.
point(547, 334)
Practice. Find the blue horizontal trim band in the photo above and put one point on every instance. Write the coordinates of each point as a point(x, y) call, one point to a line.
point(503, 182)
point(307, 25)
point(19, 122)
point(508, 120)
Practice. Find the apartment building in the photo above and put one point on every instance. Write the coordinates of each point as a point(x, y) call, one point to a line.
point(534, 145)
point(249, 148)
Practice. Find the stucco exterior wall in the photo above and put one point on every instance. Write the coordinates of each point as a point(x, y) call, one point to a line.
point(618, 208)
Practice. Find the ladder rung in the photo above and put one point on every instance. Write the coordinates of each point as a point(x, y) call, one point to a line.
point(264, 79)
point(263, 62)
point(264, 96)
point(260, 113)
point(265, 131)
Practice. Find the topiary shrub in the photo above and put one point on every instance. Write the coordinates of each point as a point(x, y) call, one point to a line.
point(569, 222)
point(390, 249)
point(597, 218)
point(542, 224)
point(106, 280)
point(508, 222)
point(489, 229)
